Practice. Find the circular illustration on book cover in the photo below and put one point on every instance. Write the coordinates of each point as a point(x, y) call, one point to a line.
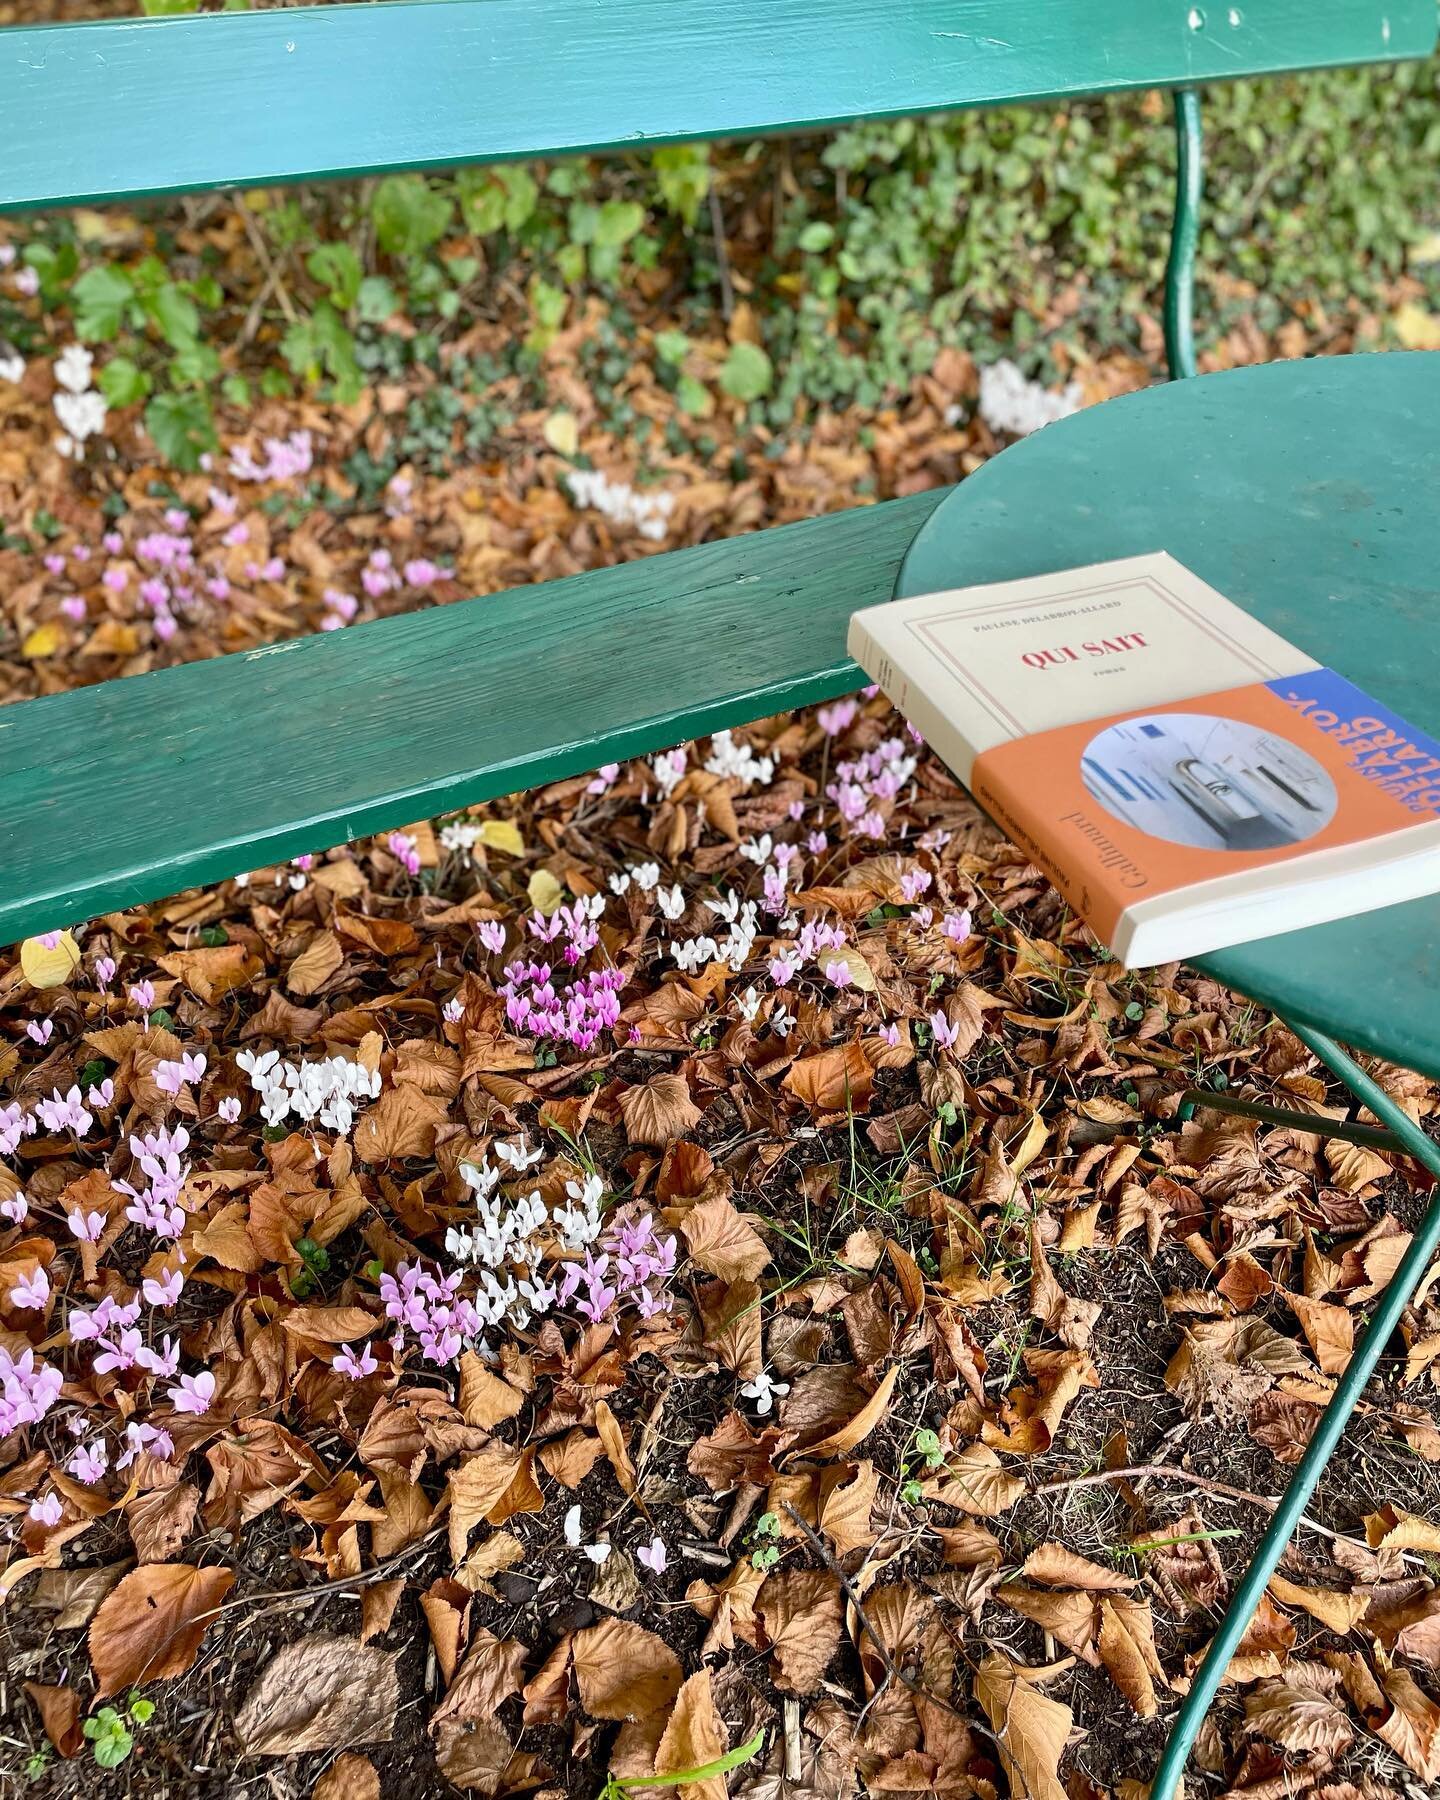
point(1208, 783)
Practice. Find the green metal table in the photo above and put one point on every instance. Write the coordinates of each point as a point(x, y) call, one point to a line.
point(1308, 493)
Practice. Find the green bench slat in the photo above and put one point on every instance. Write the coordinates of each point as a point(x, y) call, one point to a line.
point(125, 108)
point(130, 790)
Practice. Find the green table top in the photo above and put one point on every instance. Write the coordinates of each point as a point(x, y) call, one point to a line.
point(1308, 493)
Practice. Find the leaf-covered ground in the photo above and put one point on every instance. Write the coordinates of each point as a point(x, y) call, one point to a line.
point(863, 1354)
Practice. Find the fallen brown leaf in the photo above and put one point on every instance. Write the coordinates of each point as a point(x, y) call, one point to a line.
point(320, 1693)
point(150, 1627)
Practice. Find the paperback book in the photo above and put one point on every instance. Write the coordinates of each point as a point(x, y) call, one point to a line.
point(1187, 778)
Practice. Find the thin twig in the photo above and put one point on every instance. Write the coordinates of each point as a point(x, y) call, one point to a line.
point(722, 255)
point(262, 252)
point(1166, 1472)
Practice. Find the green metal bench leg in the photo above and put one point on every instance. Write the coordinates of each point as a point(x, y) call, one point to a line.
point(1367, 1352)
point(1184, 236)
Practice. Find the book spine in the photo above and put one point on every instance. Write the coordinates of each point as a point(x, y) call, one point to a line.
point(878, 657)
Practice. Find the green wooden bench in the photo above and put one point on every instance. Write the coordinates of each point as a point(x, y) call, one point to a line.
point(315, 741)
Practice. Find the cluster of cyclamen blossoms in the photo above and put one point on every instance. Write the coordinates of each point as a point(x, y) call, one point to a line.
point(863, 782)
point(326, 1090)
point(577, 1013)
point(511, 1237)
point(735, 762)
point(618, 501)
point(733, 949)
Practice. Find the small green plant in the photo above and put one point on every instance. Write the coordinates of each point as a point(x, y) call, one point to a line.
point(618, 1785)
point(109, 1732)
point(926, 1446)
point(763, 1537)
point(315, 1260)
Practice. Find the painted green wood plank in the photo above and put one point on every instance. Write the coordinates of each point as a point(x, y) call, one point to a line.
point(1305, 491)
point(148, 106)
point(133, 789)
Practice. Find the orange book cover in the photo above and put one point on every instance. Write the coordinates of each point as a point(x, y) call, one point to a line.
point(1137, 806)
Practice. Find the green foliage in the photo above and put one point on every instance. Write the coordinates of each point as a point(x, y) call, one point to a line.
point(109, 1732)
point(682, 178)
point(748, 373)
point(409, 214)
point(182, 428)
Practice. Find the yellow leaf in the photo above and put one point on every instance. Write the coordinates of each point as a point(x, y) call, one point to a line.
point(562, 433)
point(862, 975)
point(1414, 327)
point(44, 640)
point(47, 967)
point(545, 892)
point(500, 834)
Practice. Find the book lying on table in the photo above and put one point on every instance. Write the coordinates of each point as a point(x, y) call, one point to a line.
point(1187, 779)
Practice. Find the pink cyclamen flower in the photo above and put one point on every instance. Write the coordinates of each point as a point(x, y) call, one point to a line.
point(50, 940)
point(163, 1290)
point(603, 779)
point(945, 1032)
point(89, 1463)
point(171, 1076)
point(838, 974)
point(832, 720)
point(115, 580)
point(27, 281)
point(453, 1012)
point(403, 848)
point(817, 843)
point(192, 1393)
point(891, 1035)
point(229, 1109)
point(16, 1209)
point(105, 967)
point(957, 926)
point(915, 882)
point(85, 1226)
point(421, 572)
point(796, 810)
point(492, 935)
point(73, 608)
point(47, 1511)
point(40, 1031)
point(102, 1094)
point(356, 1367)
point(142, 995)
point(113, 543)
point(30, 1292)
point(783, 970)
point(654, 1555)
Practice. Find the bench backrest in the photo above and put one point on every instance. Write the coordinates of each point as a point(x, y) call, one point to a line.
point(128, 108)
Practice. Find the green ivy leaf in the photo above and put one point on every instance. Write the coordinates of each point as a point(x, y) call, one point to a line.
point(337, 268)
point(747, 374)
point(100, 297)
point(409, 215)
point(618, 222)
point(182, 428)
point(817, 236)
point(377, 300)
point(122, 382)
